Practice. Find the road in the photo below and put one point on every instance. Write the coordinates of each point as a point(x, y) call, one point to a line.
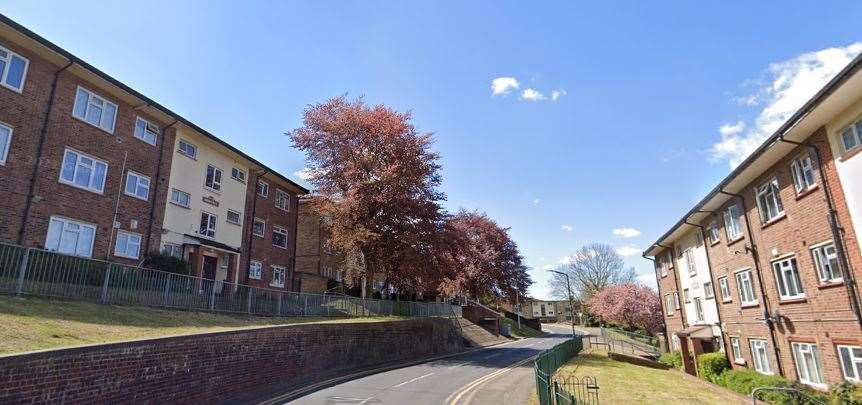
point(501, 374)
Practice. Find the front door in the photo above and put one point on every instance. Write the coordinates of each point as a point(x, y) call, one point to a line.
point(210, 266)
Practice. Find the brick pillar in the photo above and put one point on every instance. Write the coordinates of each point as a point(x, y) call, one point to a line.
point(687, 361)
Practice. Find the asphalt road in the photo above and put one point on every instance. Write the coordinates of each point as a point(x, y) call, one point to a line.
point(501, 374)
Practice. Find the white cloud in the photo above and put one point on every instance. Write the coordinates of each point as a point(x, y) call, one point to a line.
point(503, 85)
point(304, 173)
point(548, 267)
point(647, 279)
point(532, 95)
point(566, 259)
point(627, 251)
point(786, 87)
point(537, 201)
point(556, 94)
point(567, 228)
point(626, 232)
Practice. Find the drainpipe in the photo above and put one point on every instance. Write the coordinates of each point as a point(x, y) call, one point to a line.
point(711, 279)
point(679, 300)
point(116, 207)
point(43, 135)
point(756, 258)
point(156, 190)
point(837, 230)
point(250, 237)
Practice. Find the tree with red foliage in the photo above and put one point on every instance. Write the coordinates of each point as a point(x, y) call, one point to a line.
point(377, 181)
point(629, 305)
point(479, 258)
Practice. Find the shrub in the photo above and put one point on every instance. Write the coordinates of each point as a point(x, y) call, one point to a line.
point(168, 263)
point(845, 393)
point(673, 359)
point(744, 381)
point(711, 365)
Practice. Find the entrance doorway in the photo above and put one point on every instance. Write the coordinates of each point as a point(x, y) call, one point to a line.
point(210, 267)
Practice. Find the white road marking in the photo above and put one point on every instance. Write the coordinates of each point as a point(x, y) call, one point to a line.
point(410, 381)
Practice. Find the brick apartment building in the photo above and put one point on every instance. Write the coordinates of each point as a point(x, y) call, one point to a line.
point(780, 239)
point(317, 266)
point(95, 169)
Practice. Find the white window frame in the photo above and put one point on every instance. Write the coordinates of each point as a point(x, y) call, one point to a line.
point(805, 357)
point(736, 348)
point(263, 186)
point(262, 233)
point(713, 233)
point(800, 170)
point(95, 188)
point(279, 230)
point(180, 192)
point(193, 155)
point(173, 250)
point(218, 176)
point(845, 355)
point(4, 75)
point(676, 300)
point(708, 291)
point(768, 197)
point(741, 287)
point(238, 215)
point(724, 288)
point(787, 278)
point(732, 224)
point(91, 99)
point(698, 309)
point(761, 364)
point(65, 223)
point(669, 304)
point(274, 282)
point(238, 174)
point(212, 221)
point(282, 200)
point(4, 151)
point(155, 131)
point(856, 132)
point(138, 177)
point(686, 296)
point(823, 263)
point(128, 236)
point(255, 269)
point(690, 262)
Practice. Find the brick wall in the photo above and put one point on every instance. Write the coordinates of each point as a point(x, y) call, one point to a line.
point(261, 248)
point(217, 367)
point(668, 285)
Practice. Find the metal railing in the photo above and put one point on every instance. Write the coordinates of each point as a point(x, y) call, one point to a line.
point(45, 273)
point(573, 390)
point(620, 340)
point(546, 365)
point(788, 394)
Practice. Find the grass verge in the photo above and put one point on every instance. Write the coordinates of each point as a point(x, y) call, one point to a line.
point(37, 323)
point(523, 331)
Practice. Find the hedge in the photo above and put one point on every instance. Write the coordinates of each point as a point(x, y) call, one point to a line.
point(744, 381)
point(673, 359)
point(711, 365)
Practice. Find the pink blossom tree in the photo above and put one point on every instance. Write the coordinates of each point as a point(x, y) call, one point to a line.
point(629, 305)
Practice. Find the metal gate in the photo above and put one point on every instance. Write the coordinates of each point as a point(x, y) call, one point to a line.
point(575, 390)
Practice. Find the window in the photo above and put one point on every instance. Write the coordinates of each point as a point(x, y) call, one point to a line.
point(724, 287)
point(278, 273)
point(233, 217)
point(262, 189)
point(808, 364)
point(213, 178)
point(128, 245)
point(787, 277)
point(768, 201)
point(760, 356)
point(737, 350)
point(70, 237)
point(732, 226)
point(802, 171)
point(851, 137)
point(5, 141)
point(83, 171)
point(187, 149)
point(255, 269)
point(685, 296)
point(712, 232)
point(826, 262)
point(851, 362)
point(94, 110)
point(146, 131)
point(13, 69)
point(676, 299)
point(259, 228)
point(237, 175)
point(707, 290)
point(137, 185)
point(279, 237)
point(282, 200)
point(746, 287)
point(172, 249)
point(208, 225)
point(664, 263)
point(181, 198)
point(689, 262)
point(668, 304)
point(698, 309)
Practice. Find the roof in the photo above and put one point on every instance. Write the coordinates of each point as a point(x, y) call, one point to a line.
point(833, 98)
point(77, 61)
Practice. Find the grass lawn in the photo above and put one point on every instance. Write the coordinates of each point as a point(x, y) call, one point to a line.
point(522, 332)
point(624, 383)
point(37, 323)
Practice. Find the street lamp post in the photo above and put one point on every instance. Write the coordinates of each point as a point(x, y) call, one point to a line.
point(518, 306)
point(571, 302)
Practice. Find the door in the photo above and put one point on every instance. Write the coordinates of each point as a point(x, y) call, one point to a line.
point(210, 267)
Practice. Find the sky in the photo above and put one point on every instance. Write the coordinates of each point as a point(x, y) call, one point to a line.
point(568, 122)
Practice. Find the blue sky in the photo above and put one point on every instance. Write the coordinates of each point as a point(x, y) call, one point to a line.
point(657, 101)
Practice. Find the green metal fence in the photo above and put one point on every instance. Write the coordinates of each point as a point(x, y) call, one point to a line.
point(547, 364)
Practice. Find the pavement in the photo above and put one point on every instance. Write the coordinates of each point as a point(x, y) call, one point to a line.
point(501, 374)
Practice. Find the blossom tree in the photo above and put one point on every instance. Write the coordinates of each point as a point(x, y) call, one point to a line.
point(629, 305)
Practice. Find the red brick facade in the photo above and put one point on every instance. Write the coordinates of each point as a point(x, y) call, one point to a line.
point(316, 266)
